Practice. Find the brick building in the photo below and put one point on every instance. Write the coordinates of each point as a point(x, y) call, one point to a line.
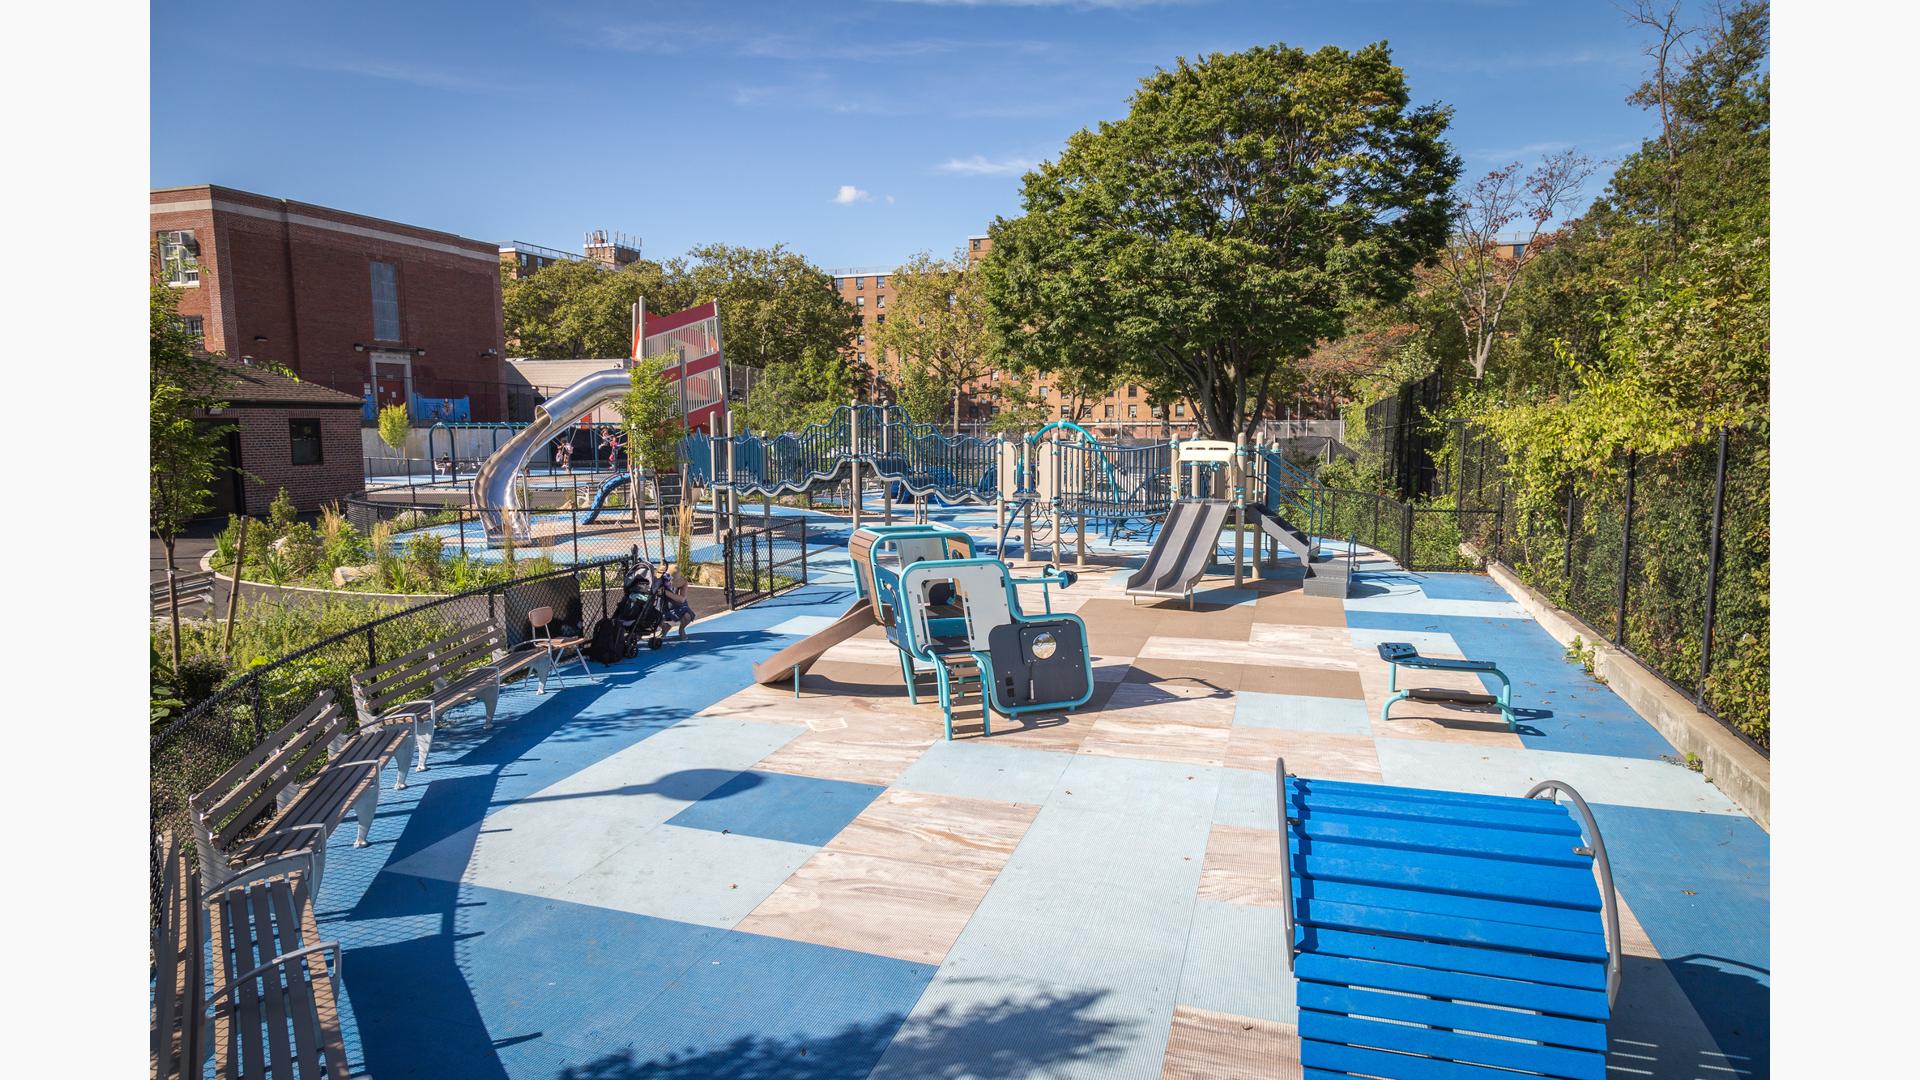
point(284, 433)
point(384, 312)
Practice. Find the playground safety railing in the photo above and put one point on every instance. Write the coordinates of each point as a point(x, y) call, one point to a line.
point(764, 557)
point(190, 751)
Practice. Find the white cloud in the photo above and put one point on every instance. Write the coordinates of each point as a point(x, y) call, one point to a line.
point(978, 165)
point(889, 200)
point(848, 195)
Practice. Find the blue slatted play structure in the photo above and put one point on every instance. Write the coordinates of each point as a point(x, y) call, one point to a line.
point(1444, 935)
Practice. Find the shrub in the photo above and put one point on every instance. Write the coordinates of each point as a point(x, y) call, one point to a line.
point(424, 553)
point(301, 549)
point(345, 548)
point(281, 514)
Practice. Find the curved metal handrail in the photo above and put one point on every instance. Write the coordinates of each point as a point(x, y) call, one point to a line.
point(1286, 856)
point(1609, 896)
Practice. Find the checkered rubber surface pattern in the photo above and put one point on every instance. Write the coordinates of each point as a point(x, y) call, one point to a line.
point(663, 870)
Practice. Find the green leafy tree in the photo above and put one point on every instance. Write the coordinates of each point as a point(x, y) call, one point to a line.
point(789, 395)
point(775, 306)
point(571, 310)
point(1020, 412)
point(650, 417)
point(1208, 240)
point(922, 393)
point(938, 328)
point(181, 451)
point(395, 426)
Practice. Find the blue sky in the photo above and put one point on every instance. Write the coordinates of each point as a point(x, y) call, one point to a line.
point(856, 132)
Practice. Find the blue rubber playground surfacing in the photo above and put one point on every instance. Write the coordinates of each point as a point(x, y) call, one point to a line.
point(638, 873)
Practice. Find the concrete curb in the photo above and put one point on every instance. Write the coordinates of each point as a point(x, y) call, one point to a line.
point(1734, 766)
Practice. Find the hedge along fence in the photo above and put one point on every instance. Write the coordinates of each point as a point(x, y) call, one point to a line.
point(1666, 556)
point(192, 751)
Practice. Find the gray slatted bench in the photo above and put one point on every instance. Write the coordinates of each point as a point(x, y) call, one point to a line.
point(274, 1002)
point(1447, 935)
point(268, 781)
point(194, 588)
point(464, 666)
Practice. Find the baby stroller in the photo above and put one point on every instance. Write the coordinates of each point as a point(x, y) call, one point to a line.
point(641, 613)
point(639, 616)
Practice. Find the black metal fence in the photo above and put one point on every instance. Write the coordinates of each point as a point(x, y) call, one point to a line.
point(192, 751)
point(1666, 556)
point(1425, 539)
point(764, 557)
point(571, 533)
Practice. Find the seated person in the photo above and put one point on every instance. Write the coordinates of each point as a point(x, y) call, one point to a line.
point(673, 589)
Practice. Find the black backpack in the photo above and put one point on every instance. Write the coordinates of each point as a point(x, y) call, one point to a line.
point(604, 648)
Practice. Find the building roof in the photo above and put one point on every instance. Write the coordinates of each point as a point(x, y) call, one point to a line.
point(242, 384)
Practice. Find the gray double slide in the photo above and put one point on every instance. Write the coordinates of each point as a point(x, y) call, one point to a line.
point(1182, 550)
point(1186, 545)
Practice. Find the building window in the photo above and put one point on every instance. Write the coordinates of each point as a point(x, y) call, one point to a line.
point(1157, 411)
point(860, 339)
point(1179, 408)
point(859, 320)
point(973, 244)
point(860, 283)
point(193, 326)
point(1133, 391)
point(880, 301)
point(386, 301)
point(1063, 412)
point(305, 438)
point(859, 301)
point(880, 281)
point(839, 283)
point(859, 358)
point(880, 320)
point(179, 256)
point(1133, 412)
point(1109, 412)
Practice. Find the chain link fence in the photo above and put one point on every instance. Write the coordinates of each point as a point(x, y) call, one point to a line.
point(192, 751)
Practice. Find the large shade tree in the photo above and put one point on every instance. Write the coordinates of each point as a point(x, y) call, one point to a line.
point(1231, 220)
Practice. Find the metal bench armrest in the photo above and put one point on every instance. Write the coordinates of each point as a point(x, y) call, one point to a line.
point(285, 957)
point(272, 866)
point(1609, 896)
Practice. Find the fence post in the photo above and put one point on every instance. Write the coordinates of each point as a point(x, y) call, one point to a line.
point(1567, 567)
point(1713, 568)
point(1406, 535)
point(1626, 555)
point(258, 710)
point(573, 512)
point(603, 589)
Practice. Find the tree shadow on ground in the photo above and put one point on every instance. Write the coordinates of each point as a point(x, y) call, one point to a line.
point(1014, 1036)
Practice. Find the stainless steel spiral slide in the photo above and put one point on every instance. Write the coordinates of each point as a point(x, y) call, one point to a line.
point(497, 489)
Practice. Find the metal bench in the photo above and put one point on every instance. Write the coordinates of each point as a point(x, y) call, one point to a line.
point(268, 781)
point(194, 588)
point(1399, 654)
point(466, 665)
point(275, 995)
point(1438, 934)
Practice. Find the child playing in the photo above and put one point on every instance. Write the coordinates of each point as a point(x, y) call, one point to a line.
point(673, 589)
